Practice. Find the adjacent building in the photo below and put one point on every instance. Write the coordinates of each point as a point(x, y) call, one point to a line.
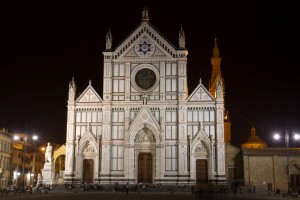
point(5, 157)
point(268, 169)
point(27, 159)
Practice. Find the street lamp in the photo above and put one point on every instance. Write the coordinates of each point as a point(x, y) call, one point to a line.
point(24, 149)
point(295, 136)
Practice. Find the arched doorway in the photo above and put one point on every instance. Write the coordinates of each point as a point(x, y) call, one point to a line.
point(201, 171)
point(145, 168)
point(88, 171)
point(60, 168)
point(145, 148)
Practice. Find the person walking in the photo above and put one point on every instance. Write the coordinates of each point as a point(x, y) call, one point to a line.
point(127, 188)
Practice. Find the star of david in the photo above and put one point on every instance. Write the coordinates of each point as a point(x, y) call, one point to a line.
point(144, 47)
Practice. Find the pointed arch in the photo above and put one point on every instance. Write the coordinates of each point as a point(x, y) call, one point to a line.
point(135, 130)
point(88, 146)
point(201, 146)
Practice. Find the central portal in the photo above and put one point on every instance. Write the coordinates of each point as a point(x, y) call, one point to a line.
point(145, 168)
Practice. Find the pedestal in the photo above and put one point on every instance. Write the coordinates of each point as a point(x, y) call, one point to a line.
point(48, 174)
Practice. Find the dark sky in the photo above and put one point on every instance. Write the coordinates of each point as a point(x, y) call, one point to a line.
point(46, 43)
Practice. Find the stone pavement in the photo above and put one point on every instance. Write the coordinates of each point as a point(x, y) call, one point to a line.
point(96, 195)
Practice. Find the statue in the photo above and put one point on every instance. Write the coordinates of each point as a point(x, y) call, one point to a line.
point(48, 153)
point(144, 99)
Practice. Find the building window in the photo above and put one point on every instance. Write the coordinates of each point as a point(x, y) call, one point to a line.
point(119, 70)
point(118, 85)
point(171, 69)
point(171, 158)
point(117, 132)
point(95, 116)
point(117, 158)
point(171, 132)
point(171, 116)
point(171, 85)
point(96, 130)
point(118, 116)
point(201, 115)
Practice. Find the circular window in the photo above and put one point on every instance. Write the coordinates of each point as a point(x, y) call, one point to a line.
point(145, 77)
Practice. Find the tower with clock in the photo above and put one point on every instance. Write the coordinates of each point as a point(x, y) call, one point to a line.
point(145, 127)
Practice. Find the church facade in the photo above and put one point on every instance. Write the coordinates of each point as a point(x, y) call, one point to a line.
point(146, 127)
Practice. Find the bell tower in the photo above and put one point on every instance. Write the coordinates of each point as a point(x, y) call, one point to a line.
point(216, 74)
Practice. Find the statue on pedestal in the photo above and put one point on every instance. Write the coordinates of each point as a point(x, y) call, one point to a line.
point(48, 172)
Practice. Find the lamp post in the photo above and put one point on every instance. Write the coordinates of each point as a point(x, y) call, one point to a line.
point(295, 136)
point(24, 150)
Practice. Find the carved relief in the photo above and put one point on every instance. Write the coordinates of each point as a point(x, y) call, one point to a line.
point(144, 47)
point(131, 53)
point(89, 148)
point(145, 135)
point(200, 148)
point(158, 52)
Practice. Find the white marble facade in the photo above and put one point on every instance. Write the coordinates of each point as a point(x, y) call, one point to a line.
point(144, 108)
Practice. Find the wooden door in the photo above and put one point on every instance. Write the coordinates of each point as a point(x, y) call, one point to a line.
point(145, 168)
point(88, 171)
point(201, 171)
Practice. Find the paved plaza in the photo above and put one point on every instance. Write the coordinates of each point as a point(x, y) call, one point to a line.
point(72, 195)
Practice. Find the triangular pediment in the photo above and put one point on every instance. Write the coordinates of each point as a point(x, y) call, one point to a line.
point(144, 116)
point(88, 136)
point(89, 95)
point(200, 94)
point(145, 42)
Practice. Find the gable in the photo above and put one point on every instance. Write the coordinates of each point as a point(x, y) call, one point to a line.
point(144, 116)
point(89, 95)
point(200, 94)
point(145, 42)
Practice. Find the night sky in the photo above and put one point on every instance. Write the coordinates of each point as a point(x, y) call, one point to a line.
point(44, 44)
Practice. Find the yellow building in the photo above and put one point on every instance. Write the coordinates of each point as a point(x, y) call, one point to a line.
point(5, 157)
point(27, 159)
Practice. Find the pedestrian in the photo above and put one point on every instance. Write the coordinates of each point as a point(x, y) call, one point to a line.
point(127, 188)
point(192, 189)
point(253, 189)
point(123, 188)
point(236, 186)
point(250, 189)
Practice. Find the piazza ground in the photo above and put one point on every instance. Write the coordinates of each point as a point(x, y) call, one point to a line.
point(66, 195)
